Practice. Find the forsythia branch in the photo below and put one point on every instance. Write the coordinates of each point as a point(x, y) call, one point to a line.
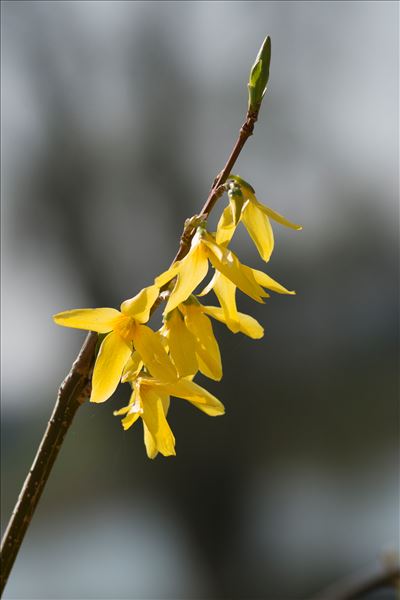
point(217, 189)
point(72, 393)
point(76, 387)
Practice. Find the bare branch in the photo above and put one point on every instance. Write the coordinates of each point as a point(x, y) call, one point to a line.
point(76, 388)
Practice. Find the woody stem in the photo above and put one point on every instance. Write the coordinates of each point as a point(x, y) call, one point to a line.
point(72, 393)
point(76, 388)
point(245, 132)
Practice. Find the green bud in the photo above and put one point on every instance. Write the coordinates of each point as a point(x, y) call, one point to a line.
point(201, 228)
point(259, 76)
point(242, 182)
point(236, 201)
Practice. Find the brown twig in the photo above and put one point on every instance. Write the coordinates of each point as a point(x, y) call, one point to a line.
point(76, 389)
point(245, 132)
point(72, 393)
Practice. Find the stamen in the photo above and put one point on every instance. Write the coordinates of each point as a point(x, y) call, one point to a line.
point(125, 327)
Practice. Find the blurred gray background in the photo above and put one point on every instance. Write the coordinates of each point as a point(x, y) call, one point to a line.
point(116, 116)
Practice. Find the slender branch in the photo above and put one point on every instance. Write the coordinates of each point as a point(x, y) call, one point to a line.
point(76, 389)
point(71, 395)
point(245, 132)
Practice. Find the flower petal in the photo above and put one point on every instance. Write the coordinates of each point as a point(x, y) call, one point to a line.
point(130, 419)
point(245, 323)
point(198, 396)
point(130, 411)
point(209, 285)
point(132, 368)
point(153, 354)
point(169, 274)
point(181, 345)
point(229, 265)
point(226, 226)
point(260, 230)
point(225, 291)
point(236, 202)
point(122, 411)
point(272, 214)
point(92, 319)
point(207, 349)
point(149, 442)
point(133, 411)
point(250, 326)
point(192, 270)
point(158, 436)
point(113, 355)
point(164, 396)
point(140, 305)
point(266, 281)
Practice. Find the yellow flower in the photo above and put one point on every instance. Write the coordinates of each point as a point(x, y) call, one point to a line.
point(206, 346)
point(124, 329)
point(132, 368)
point(150, 401)
point(191, 341)
point(245, 207)
point(181, 343)
point(192, 269)
point(225, 291)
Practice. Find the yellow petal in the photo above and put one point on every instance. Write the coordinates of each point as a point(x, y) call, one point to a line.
point(149, 441)
point(133, 411)
point(269, 283)
point(132, 368)
point(157, 433)
point(210, 285)
point(225, 291)
point(207, 350)
point(92, 319)
point(250, 326)
point(140, 305)
point(229, 265)
point(162, 332)
point(218, 313)
point(164, 396)
point(236, 202)
point(192, 270)
point(113, 355)
point(169, 274)
point(245, 323)
point(274, 215)
point(233, 325)
point(121, 411)
point(181, 345)
point(201, 398)
point(226, 226)
point(129, 420)
point(153, 354)
point(260, 230)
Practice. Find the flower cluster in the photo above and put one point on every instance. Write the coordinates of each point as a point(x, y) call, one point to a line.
point(160, 364)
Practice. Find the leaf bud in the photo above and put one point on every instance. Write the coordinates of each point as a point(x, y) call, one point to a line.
point(259, 76)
